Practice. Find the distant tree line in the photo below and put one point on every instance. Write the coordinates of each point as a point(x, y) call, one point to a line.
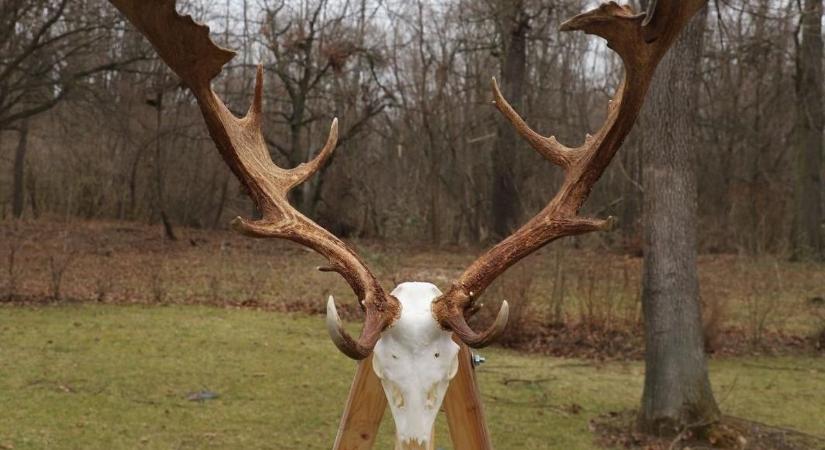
point(93, 126)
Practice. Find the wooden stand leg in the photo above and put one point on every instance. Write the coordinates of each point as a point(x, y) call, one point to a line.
point(364, 410)
point(465, 415)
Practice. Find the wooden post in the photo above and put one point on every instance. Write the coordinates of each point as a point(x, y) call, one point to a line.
point(465, 414)
point(364, 410)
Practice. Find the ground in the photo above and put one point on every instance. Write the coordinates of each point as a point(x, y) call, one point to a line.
point(566, 301)
point(106, 330)
point(118, 377)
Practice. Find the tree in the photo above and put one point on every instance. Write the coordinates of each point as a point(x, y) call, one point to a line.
point(18, 199)
point(513, 26)
point(408, 87)
point(313, 45)
point(677, 392)
point(806, 239)
point(48, 48)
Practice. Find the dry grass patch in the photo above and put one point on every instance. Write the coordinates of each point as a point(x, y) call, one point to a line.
point(563, 297)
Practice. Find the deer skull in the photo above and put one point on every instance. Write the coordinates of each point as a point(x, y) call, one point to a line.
point(415, 359)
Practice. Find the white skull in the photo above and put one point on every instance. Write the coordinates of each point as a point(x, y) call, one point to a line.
point(415, 359)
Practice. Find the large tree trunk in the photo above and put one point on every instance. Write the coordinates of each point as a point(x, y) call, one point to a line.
point(806, 233)
point(18, 189)
point(677, 392)
point(506, 207)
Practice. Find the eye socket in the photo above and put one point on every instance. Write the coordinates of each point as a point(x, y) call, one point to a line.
point(437, 354)
point(394, 357)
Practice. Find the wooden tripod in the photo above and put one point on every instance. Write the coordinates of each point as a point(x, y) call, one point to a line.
point(462, 404)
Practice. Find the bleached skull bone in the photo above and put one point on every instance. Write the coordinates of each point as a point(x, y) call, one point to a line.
point(415, 359)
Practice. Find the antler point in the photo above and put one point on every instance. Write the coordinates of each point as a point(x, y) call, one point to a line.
point(611, 223)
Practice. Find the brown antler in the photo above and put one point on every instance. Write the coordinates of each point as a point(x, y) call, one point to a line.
point(641, 41)
point(186, 47)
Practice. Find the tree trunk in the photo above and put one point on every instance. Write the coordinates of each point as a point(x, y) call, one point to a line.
point(160, 179)
point(806, 236)
point(435, 201)
point(31, 187)
point(632, 195)
point(296, 154)
point(18, 190)
point(677, 392)
point(506, 206)
point(221, 202)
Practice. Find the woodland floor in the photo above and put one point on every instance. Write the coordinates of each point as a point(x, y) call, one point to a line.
point(141, 323)
point(565, 301)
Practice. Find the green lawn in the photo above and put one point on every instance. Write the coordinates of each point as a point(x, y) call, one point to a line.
point(117, 377)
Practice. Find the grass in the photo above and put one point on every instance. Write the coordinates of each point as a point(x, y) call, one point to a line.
point(117, 377)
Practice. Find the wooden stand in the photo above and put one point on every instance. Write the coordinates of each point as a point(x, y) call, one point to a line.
point(366, 405)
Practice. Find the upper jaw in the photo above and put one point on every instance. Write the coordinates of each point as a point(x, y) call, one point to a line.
point(413, 444)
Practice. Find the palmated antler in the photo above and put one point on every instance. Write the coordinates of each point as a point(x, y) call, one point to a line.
point(186, 47)
point(641, 40)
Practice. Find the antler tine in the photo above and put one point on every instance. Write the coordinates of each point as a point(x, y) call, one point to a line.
point(269, 183)
point(548, 147)
point(306, 170)
point(641, 41)
point(186, 47)
point(303, 171)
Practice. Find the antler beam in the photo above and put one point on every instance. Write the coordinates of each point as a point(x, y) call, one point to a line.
point(641, 40)
point(186, 47)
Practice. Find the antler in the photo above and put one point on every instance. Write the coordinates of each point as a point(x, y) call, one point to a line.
point(641, 40)
point(186, 47)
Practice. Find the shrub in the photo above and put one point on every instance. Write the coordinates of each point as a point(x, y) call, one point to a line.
point(58, 265)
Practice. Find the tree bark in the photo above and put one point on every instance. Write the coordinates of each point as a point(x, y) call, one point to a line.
point(506, 206)
point(677, 392)
point(19, 171)
point(31, 187)
point(221, 202)
point(160, 179)
point(806, 233)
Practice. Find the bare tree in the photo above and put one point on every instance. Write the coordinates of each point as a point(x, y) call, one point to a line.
point(408, 81)
point(43, 43)
point(48, 49)
point(18, 198)
point(312, 44)
point(677, 392)
point(514, 24)
point(806, 240)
